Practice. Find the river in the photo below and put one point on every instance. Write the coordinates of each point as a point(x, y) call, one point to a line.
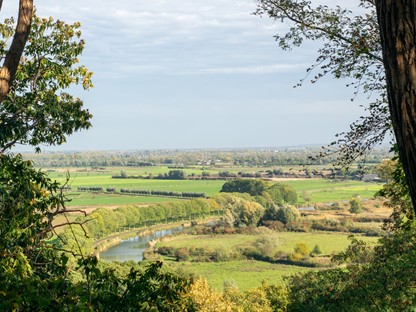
point(134, 247)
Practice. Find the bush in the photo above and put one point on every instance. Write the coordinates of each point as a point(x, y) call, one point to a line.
point(316, 251)
point(222, 255)
point(275, 225)
point(266, 247)
point(296, 257)
point(182, 254)
point(356, 206)
point(287, 214)
point(301, 248)
point(166, 251)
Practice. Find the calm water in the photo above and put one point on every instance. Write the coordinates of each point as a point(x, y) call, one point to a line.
point(133, 248)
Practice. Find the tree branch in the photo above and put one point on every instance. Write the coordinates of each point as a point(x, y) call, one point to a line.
point(324, 30)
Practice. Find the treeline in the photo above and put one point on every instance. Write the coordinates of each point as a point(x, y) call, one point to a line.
point(182, 158)
point(95, 189)
point(163, 193)
point(267, 174)
point(98, 189)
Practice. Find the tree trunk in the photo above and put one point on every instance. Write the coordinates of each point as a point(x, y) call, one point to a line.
point(12, 59)
point(397, 22)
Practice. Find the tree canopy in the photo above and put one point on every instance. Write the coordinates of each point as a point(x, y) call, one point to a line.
point(250, 186)
point(38, 110)
point(374, 48)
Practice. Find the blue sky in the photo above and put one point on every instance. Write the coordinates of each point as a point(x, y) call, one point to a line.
point(196, 74)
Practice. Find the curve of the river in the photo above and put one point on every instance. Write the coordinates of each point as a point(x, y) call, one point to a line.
point(134, 247)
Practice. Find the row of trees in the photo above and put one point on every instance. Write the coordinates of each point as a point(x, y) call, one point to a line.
point(99, 189)
point(163, 193)
point(96, 189)
point(103, 222)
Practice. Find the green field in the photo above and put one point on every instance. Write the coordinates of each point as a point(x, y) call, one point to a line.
point(102, 178)
point(96, 199)
point(249, 273)
point(320, 190)
point(332, 190)
point(329, 243)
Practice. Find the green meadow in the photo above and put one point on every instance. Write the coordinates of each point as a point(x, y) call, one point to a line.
point(246, 274)
point(250, 273)
point(96, 199)
point(329, 243)
point(319, 190)
point(322, 191)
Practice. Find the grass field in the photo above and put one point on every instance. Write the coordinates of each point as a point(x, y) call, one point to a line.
point(329, 243)
point(320, 190)
point(102, 178)
point(249, 273)
point(96, 199)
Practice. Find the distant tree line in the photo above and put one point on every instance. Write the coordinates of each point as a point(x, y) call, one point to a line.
point(163, 193)
point(182, 158)
point(171, 175)
point(99, 189)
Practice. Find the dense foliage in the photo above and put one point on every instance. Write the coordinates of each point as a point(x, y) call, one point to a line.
point(38, 110)
point(276, 193)
point(249, 186)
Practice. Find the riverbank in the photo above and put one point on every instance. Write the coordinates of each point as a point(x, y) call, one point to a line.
point(107, 242)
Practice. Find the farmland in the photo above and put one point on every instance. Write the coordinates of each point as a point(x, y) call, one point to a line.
point(247, 274)
point(241, 270)
point(320, 190)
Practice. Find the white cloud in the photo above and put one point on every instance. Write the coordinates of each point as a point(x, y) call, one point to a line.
point(177, 61)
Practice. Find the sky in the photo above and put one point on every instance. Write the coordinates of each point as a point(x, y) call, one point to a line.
point(181, 74)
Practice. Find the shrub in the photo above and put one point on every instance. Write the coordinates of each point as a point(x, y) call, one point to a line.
point(275, 225)
point(222, 255)
point(182, 254)
point(295, 257)
point(302, 249)
point(356, 206)
point(266, 246)
point(287, 214)
point(166, 251)
point(316, 251)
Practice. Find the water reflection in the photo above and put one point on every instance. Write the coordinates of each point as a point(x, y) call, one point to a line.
point(133, 248)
